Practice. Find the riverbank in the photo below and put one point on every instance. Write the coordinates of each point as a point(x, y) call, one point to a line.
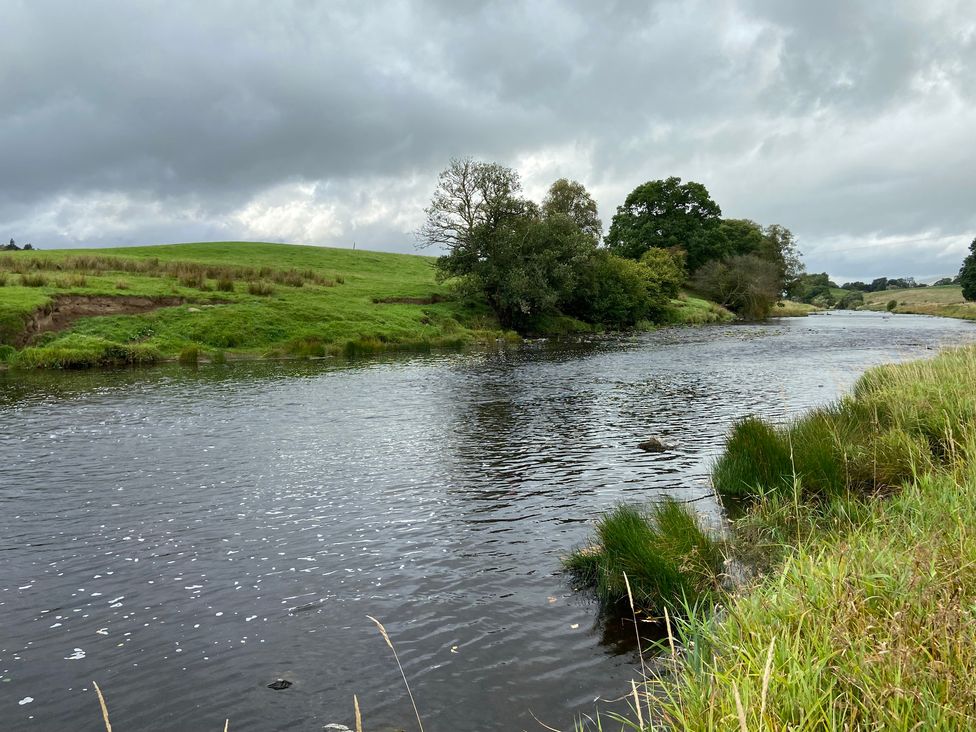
point(233, 300)
point(944, 301)
point(863, 517)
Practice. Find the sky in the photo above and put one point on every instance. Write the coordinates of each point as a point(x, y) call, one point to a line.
point(851, 122)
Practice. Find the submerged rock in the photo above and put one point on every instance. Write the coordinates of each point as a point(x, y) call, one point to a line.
point(654, 444)
point(279, 684)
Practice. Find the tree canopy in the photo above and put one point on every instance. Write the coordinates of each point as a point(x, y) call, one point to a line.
point(569, 198)
point(967, 274)
point(666, 214)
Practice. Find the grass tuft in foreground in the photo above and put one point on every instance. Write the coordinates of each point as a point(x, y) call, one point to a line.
point(670, 561)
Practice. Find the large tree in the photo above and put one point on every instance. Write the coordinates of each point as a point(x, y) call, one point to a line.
point(569, 198)
point(668, 213)
point(967, 274)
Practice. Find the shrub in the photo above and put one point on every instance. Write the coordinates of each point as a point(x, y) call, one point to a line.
point(669, 560)
point(7, 352)
point(746, 284)
point(613, 291)
point(892, 304)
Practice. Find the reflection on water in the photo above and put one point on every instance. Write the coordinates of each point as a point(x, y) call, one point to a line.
point(186, 537)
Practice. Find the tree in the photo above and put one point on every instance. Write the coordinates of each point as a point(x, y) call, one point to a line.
point(779, 246)
point(745, 284)
point(570, 198)
point(469, 194)
point(967, 274)
point(941, 283)
point(529, 266)
point(668, 213)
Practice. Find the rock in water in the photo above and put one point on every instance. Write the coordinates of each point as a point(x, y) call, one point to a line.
point(653, 445)
point(279, 684)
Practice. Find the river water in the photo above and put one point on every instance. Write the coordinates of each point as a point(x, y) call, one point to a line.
point(186, 537)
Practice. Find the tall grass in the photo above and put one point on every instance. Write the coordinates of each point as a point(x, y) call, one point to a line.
point(866, 615)
point(660, 559)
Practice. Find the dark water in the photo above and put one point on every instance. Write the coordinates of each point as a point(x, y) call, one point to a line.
point(187, 537)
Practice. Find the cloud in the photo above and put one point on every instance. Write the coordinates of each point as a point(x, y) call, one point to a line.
point(328, 123)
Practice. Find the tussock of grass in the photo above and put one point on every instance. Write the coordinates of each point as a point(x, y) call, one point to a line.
point(33, 280)
point(261, 289)
point(670, 561)
point(190, 356)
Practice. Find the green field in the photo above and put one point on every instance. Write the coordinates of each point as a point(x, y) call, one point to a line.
point(946, 301)
point(239, 299)
point(212, 301)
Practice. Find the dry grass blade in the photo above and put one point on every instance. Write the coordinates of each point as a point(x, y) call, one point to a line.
point(767, 673)
point(738, 708)
point(396, 657)
point(640, 649)
point(101, 701)
point(667, 623)
point(637, 704)
point(359, 717)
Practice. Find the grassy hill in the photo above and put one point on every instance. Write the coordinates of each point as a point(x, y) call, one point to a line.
point(227, 298)
point(211, 301)
point(946, 301)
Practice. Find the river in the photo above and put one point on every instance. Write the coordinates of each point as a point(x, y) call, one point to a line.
point(186, 537)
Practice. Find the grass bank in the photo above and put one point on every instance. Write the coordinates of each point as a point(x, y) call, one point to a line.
point(211, 301)
point(792, 309)
point(861, 524)
point(236, 299)
point(945, 301)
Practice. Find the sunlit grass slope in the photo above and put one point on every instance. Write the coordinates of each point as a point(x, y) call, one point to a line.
point(240, 297)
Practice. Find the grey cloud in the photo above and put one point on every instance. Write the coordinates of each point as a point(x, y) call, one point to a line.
point(845, 123)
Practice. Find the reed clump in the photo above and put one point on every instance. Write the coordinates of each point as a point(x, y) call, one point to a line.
point(30, 279)
point(260, 288)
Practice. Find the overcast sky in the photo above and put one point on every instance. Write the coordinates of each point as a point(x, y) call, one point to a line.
point(853, 123)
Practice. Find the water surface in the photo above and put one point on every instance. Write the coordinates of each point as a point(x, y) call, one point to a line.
point(187, 537)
